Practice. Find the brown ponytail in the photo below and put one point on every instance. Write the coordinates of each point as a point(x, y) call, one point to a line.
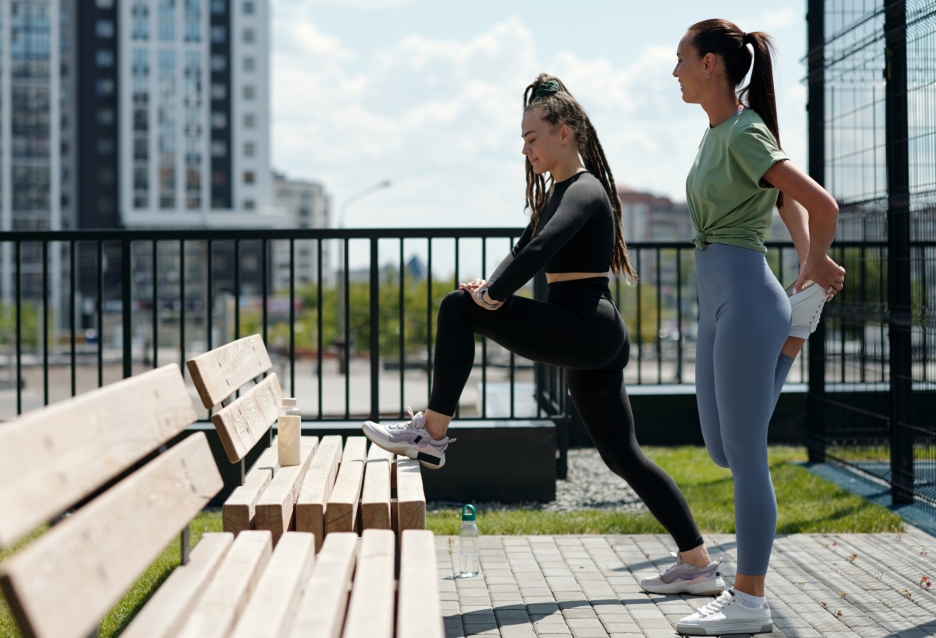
point(562, 108)
point(728, 42)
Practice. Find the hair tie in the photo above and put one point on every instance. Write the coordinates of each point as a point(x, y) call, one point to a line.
point(545, 89)
point(746, 38)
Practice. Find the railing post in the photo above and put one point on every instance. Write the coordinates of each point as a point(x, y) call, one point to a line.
point(126, 306)
point(815, 422)
point(898, 250)
point(374, 328)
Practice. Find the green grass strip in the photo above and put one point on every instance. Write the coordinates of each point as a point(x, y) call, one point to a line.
point(807, 504)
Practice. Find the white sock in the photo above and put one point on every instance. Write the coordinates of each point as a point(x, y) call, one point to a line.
point(754, 602)
point(801, 332)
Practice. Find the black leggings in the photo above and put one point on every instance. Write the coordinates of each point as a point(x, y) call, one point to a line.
point(578, 329)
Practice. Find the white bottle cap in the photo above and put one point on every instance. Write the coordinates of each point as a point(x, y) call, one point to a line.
point(289, 403)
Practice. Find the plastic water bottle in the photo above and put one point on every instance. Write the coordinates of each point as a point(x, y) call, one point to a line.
point(469, 563)
point(288, 432)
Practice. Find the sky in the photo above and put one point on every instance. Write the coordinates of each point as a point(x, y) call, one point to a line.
point(428, 94)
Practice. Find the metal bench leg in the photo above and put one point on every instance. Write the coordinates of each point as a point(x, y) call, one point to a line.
point(185, 545)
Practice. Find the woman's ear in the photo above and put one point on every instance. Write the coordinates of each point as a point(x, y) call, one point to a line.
point(565, 134)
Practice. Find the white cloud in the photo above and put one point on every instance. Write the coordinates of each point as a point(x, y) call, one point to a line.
point(441, 119)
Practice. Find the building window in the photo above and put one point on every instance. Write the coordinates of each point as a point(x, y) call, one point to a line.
point(249, 120)
point(193, 10)
point(218, 148)
point(218, 63)
point(167, 20)
point(105, 146)
point(104, 28)
point(248, 204)
point(249, 92)
point(249, 149)
point(167, 117)
point(218, 34)
point(248, 35)
point(140, 21)
point(219, 7)
point(105, 87)
point(249, 177)
point(248, 64)
point(105, 175)
point(105, 117)
point(104, 4)
point(248, 8)
point(219, 119)
point(218, 91)
point(104, 58)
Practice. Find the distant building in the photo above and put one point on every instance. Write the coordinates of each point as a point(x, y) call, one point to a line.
point(303, 204)
point(647, 217)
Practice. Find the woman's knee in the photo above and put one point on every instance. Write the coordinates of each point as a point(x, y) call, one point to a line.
point(718, 456)
point(453, 303)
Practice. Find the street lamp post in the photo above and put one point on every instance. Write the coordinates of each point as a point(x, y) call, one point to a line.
point(343, 338)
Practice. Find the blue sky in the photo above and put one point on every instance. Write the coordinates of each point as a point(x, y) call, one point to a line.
point(428, 93)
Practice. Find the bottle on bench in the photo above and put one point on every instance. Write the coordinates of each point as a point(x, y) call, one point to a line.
point(288, 432)
point(469, 563)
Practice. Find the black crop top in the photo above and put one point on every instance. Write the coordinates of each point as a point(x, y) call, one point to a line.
point(575, 234)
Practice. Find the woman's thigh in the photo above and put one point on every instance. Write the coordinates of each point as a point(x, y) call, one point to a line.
point(549, 333)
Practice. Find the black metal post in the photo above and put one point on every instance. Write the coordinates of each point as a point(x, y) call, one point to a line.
point(374, 332)
point(45, 323)
point(815, 398)
point(898, 250)
point(126, 306)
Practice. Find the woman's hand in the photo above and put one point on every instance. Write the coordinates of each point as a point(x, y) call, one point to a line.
point(824, 272)
point(472, 285)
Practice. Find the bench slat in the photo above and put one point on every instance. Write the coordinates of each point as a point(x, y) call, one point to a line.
point(221, 372)
point(277, 502)
point(272, 607)
point(411, 499)
point(169, 608)
point(316, 488)
point(375, 498)
point(56, 456)
point(419, 610)
point(83, 565)
point(370, 611)
point(239, 509)
point(222, 603)
point(322, 609)
point(246, 420)
point(341, 508)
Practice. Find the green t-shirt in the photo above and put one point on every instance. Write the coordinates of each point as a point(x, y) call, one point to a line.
point(728, 200)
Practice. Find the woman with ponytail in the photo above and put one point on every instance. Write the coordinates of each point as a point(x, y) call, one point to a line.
point(749, 328)
point(575, 235)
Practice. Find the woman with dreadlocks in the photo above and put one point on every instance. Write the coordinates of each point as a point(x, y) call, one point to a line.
point(574, 234)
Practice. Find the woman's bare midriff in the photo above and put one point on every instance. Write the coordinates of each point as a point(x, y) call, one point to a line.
point(553, 277)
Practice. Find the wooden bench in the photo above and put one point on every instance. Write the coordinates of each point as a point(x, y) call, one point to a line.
point(102, 448)
point(336, 488)
point(101, 457)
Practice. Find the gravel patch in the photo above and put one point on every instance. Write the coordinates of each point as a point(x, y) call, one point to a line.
point(590, 486)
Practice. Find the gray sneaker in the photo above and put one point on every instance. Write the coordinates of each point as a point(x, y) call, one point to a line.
point(683, 578)
point(409, 438)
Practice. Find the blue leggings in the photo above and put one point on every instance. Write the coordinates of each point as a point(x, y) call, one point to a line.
point(744, 320)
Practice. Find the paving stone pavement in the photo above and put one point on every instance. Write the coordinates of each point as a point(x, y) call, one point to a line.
point(819, 585)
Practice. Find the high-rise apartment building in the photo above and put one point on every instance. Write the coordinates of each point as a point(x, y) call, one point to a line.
point(305, 205)
point(173, 105)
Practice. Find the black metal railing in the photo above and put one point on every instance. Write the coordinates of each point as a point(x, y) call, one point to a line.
point(347, 346)
point(872, 91)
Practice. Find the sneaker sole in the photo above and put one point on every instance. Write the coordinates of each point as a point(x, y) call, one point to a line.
point(725, 628)
point(404, 449)
point(706, 588)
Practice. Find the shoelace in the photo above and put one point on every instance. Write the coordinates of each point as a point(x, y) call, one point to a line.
point(407, 424)
point(716, 605)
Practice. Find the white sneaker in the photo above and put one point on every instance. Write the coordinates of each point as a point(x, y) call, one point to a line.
point(683, 578)
point(409, 438)
point(727, 615)
point(807, 306)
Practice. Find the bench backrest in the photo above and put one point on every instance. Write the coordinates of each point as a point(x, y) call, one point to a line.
point(54, 458)
point(219, 374)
